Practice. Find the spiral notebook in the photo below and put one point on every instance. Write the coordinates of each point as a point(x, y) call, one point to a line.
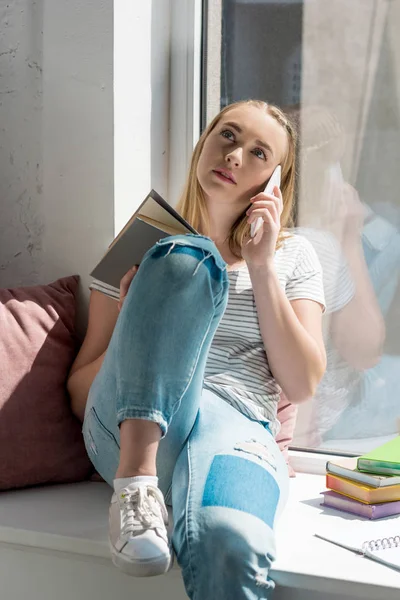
point(384, 550)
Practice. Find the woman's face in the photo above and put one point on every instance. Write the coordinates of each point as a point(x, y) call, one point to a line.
point(240, 155)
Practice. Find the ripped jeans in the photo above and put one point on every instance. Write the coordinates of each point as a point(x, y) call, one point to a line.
point(223, 473)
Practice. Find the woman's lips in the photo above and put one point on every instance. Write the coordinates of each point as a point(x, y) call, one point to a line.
point(223, 177)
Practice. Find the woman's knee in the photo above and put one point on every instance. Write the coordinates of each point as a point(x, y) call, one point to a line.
point(186, 257)
point(186, 270)
point(175, 281)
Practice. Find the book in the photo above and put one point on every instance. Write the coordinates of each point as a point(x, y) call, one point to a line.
point(369, 511)
point(384, 550)
point(347, 467)
point(153, 220)
point(382, 460)
point(361, 491)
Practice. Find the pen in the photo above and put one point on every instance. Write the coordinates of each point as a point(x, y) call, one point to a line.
point(365, 553)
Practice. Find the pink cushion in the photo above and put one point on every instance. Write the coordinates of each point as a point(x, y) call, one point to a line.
point(287, 414)
point(40, 439)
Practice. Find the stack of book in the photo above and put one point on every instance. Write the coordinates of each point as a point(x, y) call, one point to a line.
point(368, 486)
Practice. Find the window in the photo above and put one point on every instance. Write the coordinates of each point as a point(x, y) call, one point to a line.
point(334, 68)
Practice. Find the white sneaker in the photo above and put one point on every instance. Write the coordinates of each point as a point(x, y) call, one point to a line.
point(138, 536)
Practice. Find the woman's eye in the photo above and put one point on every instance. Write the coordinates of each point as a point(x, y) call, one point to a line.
point(259, 153)
point(228, 134)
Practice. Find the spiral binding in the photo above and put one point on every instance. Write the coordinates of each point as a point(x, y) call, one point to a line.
point(381, 544)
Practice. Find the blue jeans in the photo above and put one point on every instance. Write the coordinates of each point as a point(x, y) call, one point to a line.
point(223, 473)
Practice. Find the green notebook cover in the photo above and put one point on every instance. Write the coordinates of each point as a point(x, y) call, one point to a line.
point(386, 456)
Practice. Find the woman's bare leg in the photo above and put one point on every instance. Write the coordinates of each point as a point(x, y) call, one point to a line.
point(139, 441)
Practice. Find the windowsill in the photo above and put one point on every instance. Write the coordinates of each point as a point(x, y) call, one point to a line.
point(31, 520)
point(307, 562)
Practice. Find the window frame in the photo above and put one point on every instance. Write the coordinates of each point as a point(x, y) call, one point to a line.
point(189, 18)
point(185, 90)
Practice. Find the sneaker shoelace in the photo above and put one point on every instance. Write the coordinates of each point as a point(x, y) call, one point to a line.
point(142, 507)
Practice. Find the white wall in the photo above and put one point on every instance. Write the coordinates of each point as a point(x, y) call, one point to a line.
point(141, 102)
point(77, 136)
point(61, 199)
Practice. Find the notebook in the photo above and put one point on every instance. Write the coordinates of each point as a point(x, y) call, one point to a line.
point(382, 460)
point(153, 220)
point(369, 511)
point(361, 491)
point(347, 468)
point(362, 538)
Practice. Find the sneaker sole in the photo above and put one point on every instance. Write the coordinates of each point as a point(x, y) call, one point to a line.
point(142, 568)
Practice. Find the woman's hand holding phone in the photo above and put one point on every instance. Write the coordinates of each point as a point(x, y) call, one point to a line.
point(346, 220)
point(265, 214)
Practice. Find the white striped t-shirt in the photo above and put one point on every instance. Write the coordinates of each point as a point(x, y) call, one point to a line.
point(237, 367)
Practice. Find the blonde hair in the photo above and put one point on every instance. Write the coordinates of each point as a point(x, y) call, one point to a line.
point(321, 145)
point(192, 205)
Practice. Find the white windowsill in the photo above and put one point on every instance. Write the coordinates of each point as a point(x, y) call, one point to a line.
point(73, 519)
point(307, 562)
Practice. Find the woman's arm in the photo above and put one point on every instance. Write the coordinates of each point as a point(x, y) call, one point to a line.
point(292, 335)
point(358, 329)
point(103, 314)
point(78, 385)
point(291, 330)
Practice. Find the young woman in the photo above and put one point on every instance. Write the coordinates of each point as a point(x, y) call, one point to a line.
point(179, 390)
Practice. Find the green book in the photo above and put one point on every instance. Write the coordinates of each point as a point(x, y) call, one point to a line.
point(383, 460)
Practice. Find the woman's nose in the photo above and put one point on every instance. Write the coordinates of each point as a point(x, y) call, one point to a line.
point(235, 158)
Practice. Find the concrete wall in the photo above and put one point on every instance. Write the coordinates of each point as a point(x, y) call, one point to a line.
point(56, 156)
point(21, 150)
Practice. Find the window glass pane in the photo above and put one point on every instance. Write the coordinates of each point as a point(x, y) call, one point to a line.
point(334, 67)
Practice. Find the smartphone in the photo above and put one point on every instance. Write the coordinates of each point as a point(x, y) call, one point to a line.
point(333, 185)
point(274, 180)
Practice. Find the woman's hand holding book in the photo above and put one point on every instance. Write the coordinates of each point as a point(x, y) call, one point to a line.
point(125, 284)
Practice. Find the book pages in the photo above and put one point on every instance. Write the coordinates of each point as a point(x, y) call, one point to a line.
point(158, 214)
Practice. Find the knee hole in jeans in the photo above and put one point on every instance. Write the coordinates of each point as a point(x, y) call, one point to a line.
point(205, 257)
